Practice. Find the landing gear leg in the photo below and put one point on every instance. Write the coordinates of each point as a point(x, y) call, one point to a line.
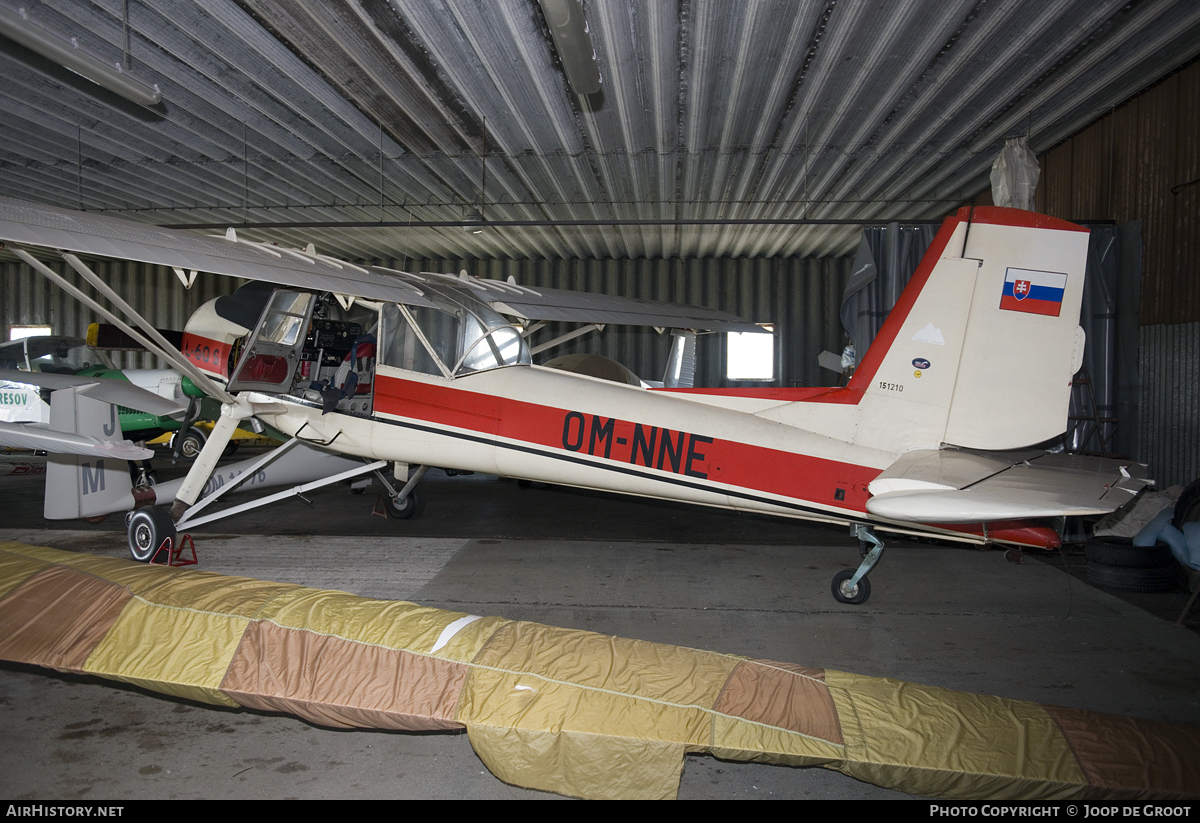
point(851, 586)
point(406, 503)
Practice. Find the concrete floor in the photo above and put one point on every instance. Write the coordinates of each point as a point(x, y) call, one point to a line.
point(943, 615)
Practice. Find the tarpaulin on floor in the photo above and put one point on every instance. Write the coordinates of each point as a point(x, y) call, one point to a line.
point(559, 709)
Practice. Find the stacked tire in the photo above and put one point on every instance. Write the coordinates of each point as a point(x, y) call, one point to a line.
point(1115, 563)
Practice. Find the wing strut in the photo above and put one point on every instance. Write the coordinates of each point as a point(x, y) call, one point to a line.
point(169, 354)
point(182, 363)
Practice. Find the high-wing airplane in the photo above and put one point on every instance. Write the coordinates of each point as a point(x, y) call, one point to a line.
point(935, 433)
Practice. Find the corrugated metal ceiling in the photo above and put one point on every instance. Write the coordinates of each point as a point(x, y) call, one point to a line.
point(366, 111)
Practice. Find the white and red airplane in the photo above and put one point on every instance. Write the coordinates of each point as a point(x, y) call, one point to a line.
point(935, 433)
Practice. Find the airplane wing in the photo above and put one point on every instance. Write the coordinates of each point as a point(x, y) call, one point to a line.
point(40, 438)
point(33, 224)
point(963, 486)
point(108, 389)
point(586, 307)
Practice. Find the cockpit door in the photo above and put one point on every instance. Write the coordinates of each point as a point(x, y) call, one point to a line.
point(271, 356)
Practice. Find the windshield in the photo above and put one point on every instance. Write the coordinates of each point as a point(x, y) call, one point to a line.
point(58, 355)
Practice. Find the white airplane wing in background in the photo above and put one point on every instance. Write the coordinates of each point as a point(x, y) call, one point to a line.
point(39, 438)
point(105, 389)
point(108, 389)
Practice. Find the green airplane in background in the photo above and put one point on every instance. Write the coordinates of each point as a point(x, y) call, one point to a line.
point(58, 354)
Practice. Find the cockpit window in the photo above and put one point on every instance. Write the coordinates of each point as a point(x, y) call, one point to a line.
point(286, 318)
point(63, 355)
point(499, 347)
point(463, 334)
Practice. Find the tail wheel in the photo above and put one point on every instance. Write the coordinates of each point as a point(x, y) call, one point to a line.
point(147, 529)
point(843, 592)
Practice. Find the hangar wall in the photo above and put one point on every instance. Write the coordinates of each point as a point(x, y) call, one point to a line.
point(27, 298)
point(1141, 161)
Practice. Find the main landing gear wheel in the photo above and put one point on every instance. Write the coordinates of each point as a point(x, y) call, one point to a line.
point(148, 528)
point(190, 443)
point(843, 592)
point(405, 509)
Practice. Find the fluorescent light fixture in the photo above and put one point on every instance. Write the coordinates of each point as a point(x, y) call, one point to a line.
point(573, 43)
point(472, 222)
point(16, 24)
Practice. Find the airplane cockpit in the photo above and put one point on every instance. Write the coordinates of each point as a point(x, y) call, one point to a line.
point(313, 347)
point(53, 355)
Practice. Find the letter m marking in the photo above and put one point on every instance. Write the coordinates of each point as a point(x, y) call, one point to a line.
point(93, 481)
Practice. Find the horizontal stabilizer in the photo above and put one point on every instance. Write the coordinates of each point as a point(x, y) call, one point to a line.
point(31, 436)
point(960, 486)
point(107, 389)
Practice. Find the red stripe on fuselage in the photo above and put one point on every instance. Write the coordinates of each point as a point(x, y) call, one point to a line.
point(686, 454)
point(206, 354)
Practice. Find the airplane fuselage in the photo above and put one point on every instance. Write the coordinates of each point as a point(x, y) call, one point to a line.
point(553, 426)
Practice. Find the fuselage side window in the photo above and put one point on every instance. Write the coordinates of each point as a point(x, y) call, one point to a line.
point(464, 334)
point(402, 346)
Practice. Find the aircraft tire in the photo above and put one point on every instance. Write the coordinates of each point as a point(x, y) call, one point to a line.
point(147, 529)
point(1114, 552)
point(412, 506)
point(1131, 580)
point(843, 594)
point(191, 443)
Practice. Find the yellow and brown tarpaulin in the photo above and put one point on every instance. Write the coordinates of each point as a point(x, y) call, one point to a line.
point(558, 709)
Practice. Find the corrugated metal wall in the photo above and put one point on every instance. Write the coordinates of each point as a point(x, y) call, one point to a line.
point(1141, 161)
point(801, 296)
point(27, 298)
point(1170, 364)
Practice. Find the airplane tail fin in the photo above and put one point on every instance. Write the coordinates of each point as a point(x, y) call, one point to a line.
point(85, 486)
point(981, 348)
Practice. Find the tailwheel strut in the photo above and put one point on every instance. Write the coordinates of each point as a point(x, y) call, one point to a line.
point(851, 586)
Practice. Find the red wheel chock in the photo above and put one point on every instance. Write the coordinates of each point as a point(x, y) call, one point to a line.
point(174, 555)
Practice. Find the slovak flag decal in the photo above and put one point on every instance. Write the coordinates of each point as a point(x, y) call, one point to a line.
point(1033, 292)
